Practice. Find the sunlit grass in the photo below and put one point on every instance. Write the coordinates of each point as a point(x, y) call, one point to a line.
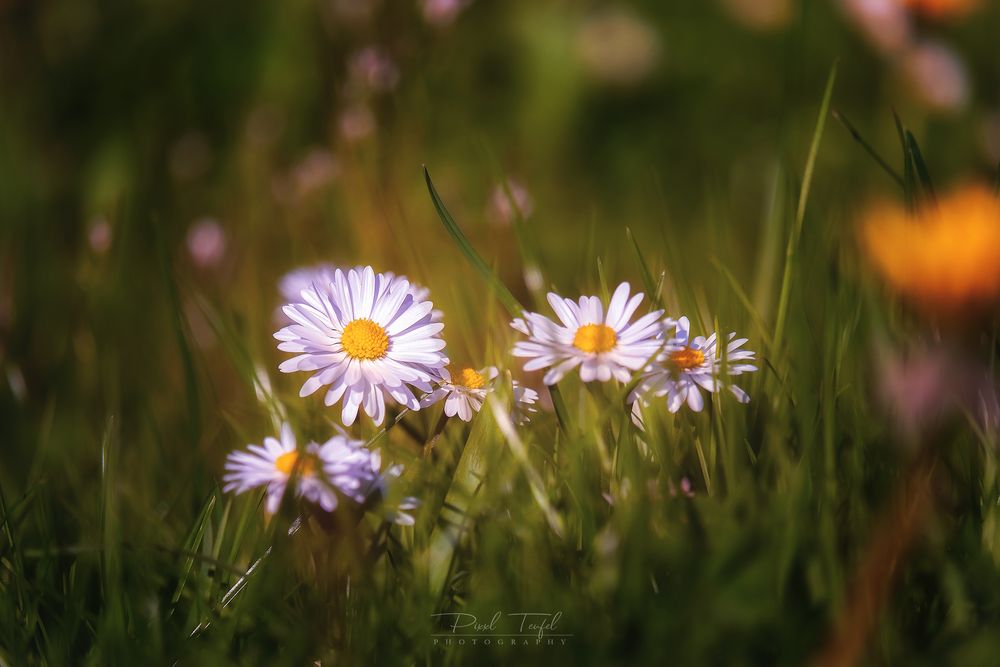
point(805, 527)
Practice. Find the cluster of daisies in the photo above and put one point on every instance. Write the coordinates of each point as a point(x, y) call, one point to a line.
point(607, 345)
point(369, 338)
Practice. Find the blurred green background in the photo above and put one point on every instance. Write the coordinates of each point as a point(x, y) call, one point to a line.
point(164, 163)
point(125, 124)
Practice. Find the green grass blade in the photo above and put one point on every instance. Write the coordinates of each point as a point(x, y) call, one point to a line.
point(508, 300)
point(909, 178)
point(920, 167)
point(520, 453)
point(191, 545)
point(886, 167)
point(652, 289)
point(180, 330)
point(800, 212)
point(758, 321)
point(559, 404)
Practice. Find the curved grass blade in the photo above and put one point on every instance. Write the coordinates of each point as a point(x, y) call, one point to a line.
point(508, 300)
point(868, 147)
point(800, 211)
point(909, 179)
point(191, 544)
point(520, 452)
point(652, 288)
point(919, 166)
point(741, 295)
point(562, 412)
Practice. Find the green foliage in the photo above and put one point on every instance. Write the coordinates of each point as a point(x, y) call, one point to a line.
point(128, 372)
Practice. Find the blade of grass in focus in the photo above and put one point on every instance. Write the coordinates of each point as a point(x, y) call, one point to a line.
point(800, 213)
point(492, 279)
point(651, 286)
point(856, 135)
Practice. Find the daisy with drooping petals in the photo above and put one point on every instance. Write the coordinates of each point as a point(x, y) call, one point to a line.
point(351, 468)
point(275, 463)
point(602, 345)
point(365, 336)
point(687, 365)
point(463, 390)
point(340, 465)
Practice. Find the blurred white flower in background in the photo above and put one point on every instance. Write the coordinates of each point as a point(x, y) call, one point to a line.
point(352, 11)
point(372, 69)
point(442, 13)
point(206, 242)
point(764, 15)
point(99, 235)
point(356, 122)
point(936, 76)
point(501, 210)
point(617, 47)
point(317, 169)
point(884, 23)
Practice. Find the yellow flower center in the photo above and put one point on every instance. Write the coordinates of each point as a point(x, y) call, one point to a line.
point(286, 463)
point(468, 377)
point(364, 339)
point(687, 358)
point(595, 338)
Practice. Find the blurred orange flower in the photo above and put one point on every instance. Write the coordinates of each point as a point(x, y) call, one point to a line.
point(944, 256)
point(940, 9)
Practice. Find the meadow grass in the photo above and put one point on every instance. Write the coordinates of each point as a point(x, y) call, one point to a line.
point(801, 528)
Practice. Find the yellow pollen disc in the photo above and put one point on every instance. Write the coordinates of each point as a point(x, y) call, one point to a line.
point(364, 339)
point(687, 358)
point(286, 463)
point(595, 338)
point(468, 377)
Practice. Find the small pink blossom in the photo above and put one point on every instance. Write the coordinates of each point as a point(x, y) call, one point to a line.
point(441, 13)
point(99, 235)
point(502, 211)
point(374, 70)
point(937, 76)
point(884, 23)
point(356, 123)
point(206, 242)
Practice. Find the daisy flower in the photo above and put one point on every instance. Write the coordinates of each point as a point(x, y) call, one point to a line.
point(320, 470)
point(687, 365)
point(367, 338)
point(602, 345)
point(351, 468)
point(525, 399)
point(463, 390)
point(292, 283)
